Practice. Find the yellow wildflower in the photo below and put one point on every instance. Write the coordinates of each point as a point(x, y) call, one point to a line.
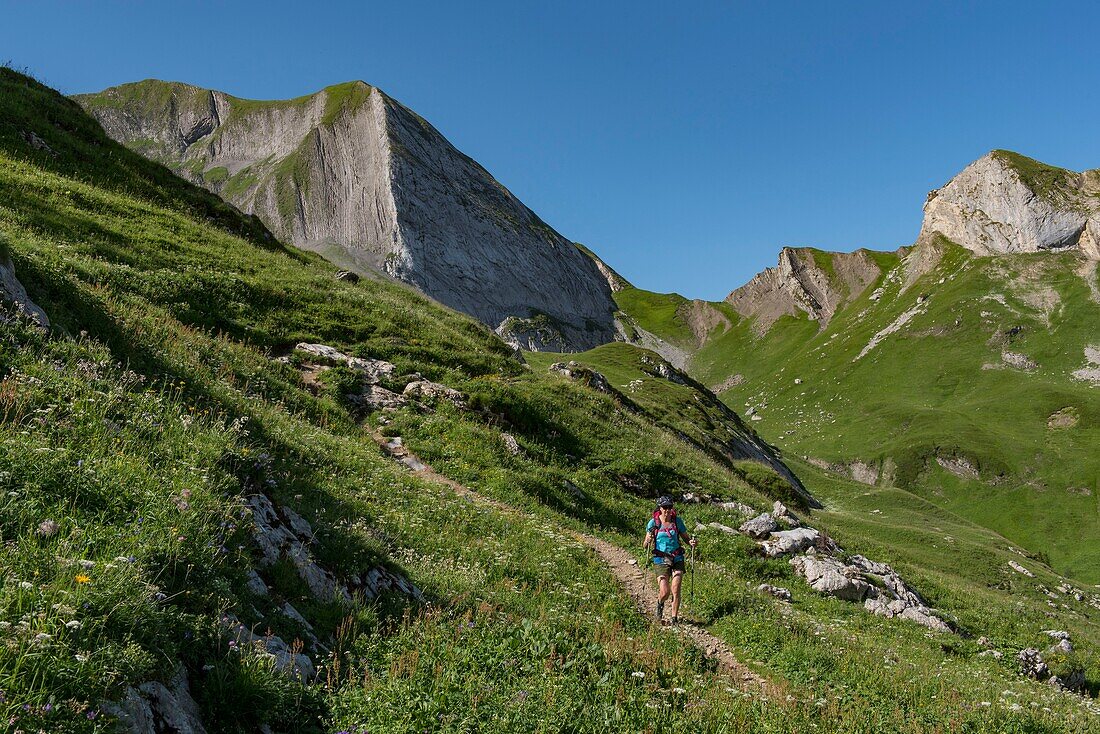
point(82, 578)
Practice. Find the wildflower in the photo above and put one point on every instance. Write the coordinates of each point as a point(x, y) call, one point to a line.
point(679, 690)
point(637, 674)
point(42, 638)
point(86, 564)
point(82, 578)
point(81, 658)
point(26, 585)
point(73, 625)
point(47, 528)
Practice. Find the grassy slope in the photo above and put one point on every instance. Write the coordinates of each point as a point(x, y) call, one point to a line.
point(157, 381)
point(923, 393)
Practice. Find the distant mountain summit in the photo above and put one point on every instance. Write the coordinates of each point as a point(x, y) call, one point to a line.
point(1005, 202)
point(351, 173)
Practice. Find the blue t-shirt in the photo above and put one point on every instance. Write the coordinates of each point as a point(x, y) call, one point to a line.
point(668, 538)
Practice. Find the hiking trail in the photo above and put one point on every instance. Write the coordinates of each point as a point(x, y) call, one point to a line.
point(624, 567)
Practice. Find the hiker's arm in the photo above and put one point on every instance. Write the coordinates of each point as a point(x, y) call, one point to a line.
point(647, 541)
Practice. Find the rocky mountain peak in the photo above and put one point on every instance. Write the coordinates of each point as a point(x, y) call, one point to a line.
point(1006, 203)
point(805, 281)
point(353, 174)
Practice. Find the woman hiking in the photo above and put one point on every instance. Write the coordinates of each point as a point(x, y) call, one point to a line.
point(663, 534)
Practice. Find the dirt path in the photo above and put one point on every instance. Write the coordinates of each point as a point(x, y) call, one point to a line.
point(639, 585)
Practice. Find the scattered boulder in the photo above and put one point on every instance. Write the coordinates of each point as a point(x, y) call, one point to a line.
point(428, 390)
point(1020, 569)
point(288, 658)
point(788, 542)
point(760, 527)
point(376, 397)
point(32, 139)
point(324, 351)
point(1032, 665)
point(511, 444)
point(1064, 418)
point(777, 591)
point(784, 515)
point(737, 508)
point(830, 576)
point(1018, 361)
point(275, 540)
point(347, 275)
point(959, 466)
point(156, 707)
point(577, 371)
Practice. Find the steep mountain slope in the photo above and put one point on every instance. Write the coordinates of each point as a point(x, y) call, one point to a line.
point(352, 174)
point(967, 377)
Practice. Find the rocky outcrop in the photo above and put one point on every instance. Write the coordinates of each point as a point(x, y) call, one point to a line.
point(154, 707)
point(1006, 203)
point(827, 570)
point(13, 293)
point(353, 174)
point(1055, 666)
point(759, 527)
point(805, 281)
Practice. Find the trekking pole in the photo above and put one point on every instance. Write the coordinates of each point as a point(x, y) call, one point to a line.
point(691, 589)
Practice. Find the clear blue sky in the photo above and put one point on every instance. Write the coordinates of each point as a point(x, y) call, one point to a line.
point(685, 144)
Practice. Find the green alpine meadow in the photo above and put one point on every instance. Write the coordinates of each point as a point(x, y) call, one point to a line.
point(278, 455)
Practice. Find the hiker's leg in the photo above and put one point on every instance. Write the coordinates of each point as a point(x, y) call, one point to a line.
point(677, 579)
point(662, 588)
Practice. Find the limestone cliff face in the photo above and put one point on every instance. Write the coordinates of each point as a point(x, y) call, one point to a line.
point(805, 281)
point(1006, 203)
point(351, 173)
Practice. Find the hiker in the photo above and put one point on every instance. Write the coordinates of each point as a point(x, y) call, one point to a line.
point(663, 534)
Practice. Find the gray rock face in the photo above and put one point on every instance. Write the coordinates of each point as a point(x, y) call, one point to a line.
point(787, 542)
point(760, 527)
point(351, 173)
point(1005, 203)
point(428, 390)
point(829, 576)
point(13, 292)
point(799, 284)
point(155, 707)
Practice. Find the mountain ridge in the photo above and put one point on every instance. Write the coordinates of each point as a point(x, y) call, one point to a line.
point(351, 173)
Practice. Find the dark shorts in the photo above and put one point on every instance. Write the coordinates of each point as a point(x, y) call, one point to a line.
point(666, 569)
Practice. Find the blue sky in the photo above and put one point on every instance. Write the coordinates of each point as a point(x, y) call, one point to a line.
point(684, 143)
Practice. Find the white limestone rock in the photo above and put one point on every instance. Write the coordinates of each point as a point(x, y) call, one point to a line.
point(829, 576)
point(787, 542)
point(1006, 203)
point(428, 390)
point(760, 527)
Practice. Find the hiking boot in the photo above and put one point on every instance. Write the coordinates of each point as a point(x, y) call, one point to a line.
point(660, 610)
point(675, 620)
